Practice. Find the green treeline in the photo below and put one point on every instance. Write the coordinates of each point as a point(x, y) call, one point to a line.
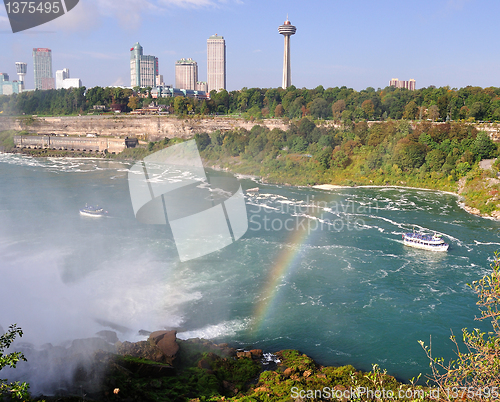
point(346, 104)
point(422, 155)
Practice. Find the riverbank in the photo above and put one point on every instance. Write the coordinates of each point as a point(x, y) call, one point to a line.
point(473, 211)
point(165, 368)
point(463, 186)
point(235, 168)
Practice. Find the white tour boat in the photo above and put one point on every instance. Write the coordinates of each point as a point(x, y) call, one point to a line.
point(425, 242)
point(94, 212)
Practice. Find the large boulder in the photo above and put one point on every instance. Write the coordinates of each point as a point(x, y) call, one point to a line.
point(161, 347)
point(166, 342)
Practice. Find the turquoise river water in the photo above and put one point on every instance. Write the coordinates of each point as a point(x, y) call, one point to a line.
point(324, 272)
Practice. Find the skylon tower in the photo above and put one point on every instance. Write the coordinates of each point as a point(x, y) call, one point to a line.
point(287, 30)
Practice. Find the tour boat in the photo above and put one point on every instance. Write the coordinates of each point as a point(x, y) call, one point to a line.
point(425, 242)
point(94, 212)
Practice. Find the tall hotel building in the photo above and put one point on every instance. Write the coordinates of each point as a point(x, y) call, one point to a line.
point(216, 63)
point(410, 85)
point(186, 74)
point(42, 67)
point(143, 69)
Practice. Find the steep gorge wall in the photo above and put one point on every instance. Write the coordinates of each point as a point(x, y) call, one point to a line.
point(151, 128)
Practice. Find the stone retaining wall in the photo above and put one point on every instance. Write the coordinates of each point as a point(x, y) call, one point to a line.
point(150, 128)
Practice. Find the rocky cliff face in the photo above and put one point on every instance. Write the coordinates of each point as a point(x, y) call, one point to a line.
point(151, 128)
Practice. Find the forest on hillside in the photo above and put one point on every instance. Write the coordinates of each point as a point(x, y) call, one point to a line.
point(396, 152)
point(346, 104)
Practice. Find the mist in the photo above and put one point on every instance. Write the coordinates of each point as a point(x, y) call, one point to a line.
point(64, 277)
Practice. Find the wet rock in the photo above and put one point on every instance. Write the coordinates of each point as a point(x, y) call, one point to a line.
point(342, 390)
point(143, 349)
point(108, 336)
point(166, 342)
point(89, 345)
point(204, 364)
point(257, 353)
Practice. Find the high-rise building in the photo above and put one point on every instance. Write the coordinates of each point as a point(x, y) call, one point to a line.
point(159, 80)
point(216, 63)
point(143, 69)
point(186, 74)
point(21, 69)
point(61, 75)
point(64, 81)
point(287, 30)
point(202, 86)
point(42, 69)
point(410, 85)
point(8, 87)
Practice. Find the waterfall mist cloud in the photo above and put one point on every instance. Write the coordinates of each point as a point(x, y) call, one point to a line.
point(65, 277)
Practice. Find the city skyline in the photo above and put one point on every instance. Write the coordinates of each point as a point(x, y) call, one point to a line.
point(360, 44)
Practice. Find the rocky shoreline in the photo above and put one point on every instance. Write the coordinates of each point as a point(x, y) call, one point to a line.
point(164, 368)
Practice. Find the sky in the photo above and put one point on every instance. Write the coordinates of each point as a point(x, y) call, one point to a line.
point(357, 43)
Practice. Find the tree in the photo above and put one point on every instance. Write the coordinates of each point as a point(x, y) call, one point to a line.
point(433, 112)
point(435, 159)
point(299, 144)
point(476, 111)
point(442, 104)
point(411, 111)
point(483, 147)
point(14, 390)
point(319, 108)
point(478, 368)
point(279, 110)
point(306, 127)
point(346, 115)
point(408, 154)
point(133, 102)
point(180, 105)
point(337, 108)
point(369, 108)
point(202, 140)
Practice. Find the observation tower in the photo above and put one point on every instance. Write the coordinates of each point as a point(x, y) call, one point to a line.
point(287, 30)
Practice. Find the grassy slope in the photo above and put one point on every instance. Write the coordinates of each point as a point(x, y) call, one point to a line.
point(481, 190)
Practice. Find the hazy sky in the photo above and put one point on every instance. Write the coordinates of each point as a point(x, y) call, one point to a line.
point(357, 43)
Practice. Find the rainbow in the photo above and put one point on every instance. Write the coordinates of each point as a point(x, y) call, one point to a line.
point(287, 262)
